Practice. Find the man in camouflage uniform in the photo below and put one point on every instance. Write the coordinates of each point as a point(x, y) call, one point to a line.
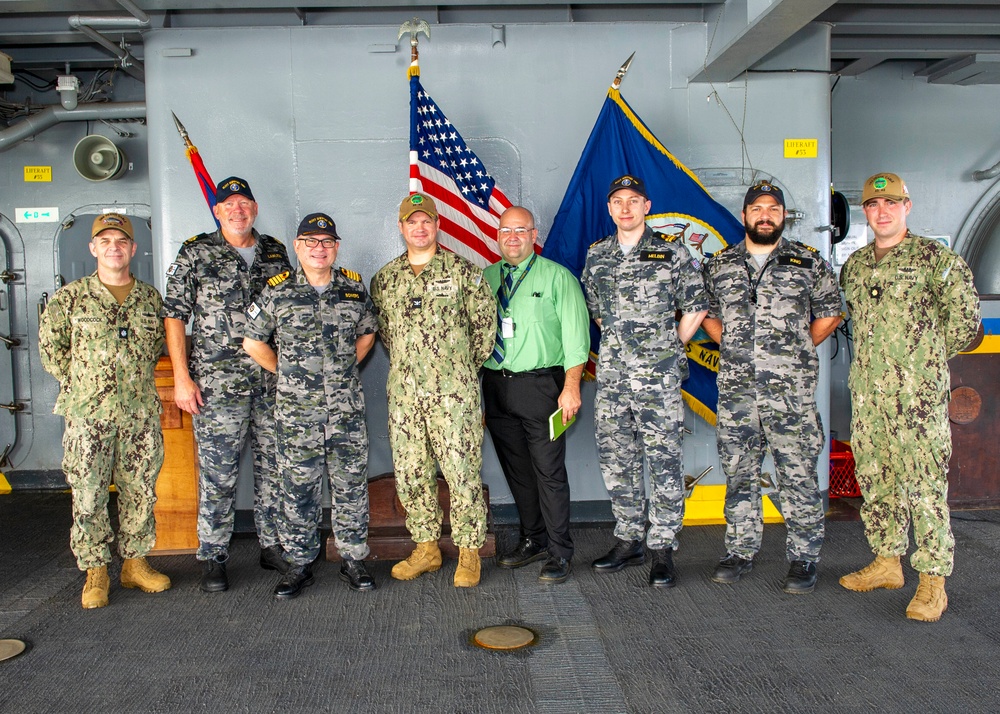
point(437, 318)
point(914, 307)
point(635, 281)
point(771, 302)
point(101, 337)
point(324, 324)
point(214, 279)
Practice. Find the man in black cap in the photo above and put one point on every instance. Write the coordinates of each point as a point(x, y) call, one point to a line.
point(214, 279)
point(772, 301)
point(636, 281)
point(324, 323)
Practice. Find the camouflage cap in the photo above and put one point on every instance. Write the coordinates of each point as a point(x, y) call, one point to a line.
point(417, 202)
point(884, 185)
point(107, 221)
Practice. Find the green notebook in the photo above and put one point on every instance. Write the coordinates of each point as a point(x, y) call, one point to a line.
point(556, 427)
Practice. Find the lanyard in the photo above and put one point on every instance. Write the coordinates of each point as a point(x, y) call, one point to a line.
point(503, 281)
point(755, 283)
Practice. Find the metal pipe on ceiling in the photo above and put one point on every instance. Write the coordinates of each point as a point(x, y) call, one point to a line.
point(86, 25)
point(37, 123)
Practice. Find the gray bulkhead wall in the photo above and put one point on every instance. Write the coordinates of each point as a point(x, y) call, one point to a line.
point(317, 118)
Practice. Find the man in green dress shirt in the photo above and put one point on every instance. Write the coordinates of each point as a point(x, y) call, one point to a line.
point(541, 345)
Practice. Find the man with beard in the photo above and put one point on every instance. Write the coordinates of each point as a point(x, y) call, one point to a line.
point(214, 279)
point(771, 302)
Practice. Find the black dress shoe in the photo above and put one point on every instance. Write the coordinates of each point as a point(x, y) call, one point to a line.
point(555, 570)
point(801, 578)
point(731, 568)
point(625, 552)
point(527, 551)
point(662, 573)
point(214, 579)
point(273, 558)
point(356, 575)
point(292, 582)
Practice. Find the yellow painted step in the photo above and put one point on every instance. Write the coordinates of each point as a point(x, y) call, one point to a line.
point(705, 507)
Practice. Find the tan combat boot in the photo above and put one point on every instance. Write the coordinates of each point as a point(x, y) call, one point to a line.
point(467, 572)
point(137, 573)
point(95, 590)
point(425, 558)
point(930, 601)
point(880, 573)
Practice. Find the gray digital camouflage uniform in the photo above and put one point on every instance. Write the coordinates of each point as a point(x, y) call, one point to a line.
point(439, 327)
point(913, 311)
point(320, 408)
point(211, 283)
point(768, 372)
point(638, 409)
point(103, 355)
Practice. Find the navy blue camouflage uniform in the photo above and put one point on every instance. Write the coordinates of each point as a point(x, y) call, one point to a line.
point(768, 372)
point(638, 409)
point(320, 408)
point(211, 283)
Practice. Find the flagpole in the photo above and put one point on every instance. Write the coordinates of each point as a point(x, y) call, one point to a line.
point(414, 27)
point(201, 173)
point(617, 82)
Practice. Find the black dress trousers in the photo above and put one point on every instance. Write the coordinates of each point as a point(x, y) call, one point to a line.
point(518, 406)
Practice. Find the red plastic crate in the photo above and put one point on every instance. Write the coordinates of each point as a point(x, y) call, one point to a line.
point(842, 481)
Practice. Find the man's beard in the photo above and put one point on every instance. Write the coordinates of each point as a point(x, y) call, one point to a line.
point(764, 238)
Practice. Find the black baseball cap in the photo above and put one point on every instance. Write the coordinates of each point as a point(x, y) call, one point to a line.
point(232, 186)
point(318, 224)
point(764, 188)
point(629, 182)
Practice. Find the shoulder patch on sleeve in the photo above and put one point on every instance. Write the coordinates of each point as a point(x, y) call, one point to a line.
point(664, 236)
point(278, 279)
point(350, 274)
point(173, 268)
point(807, 247)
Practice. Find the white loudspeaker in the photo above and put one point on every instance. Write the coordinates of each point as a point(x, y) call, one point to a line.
point(97, 159)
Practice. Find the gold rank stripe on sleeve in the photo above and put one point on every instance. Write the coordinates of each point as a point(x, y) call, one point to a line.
point(663, 236)
point(350, 274)
point(807, 247)
point(278, 279)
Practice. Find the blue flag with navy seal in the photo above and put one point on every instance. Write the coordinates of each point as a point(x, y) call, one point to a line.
point(619, 144)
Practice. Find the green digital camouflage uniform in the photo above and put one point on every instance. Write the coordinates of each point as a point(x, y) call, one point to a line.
point(638, 410)
point(439, 328)
point(319, 409)
point(103, 355)
point(211, 283)
point(912, 311)
point(768, 372)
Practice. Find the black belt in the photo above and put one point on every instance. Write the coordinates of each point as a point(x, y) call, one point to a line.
point(528, 373)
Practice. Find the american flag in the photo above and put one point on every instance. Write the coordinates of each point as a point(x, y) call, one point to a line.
point(444, 167)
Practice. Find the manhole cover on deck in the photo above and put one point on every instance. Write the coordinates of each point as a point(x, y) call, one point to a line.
point(504, 637)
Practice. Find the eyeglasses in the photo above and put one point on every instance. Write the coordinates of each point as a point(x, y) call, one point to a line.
point(325, 242)
point(519, 232)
